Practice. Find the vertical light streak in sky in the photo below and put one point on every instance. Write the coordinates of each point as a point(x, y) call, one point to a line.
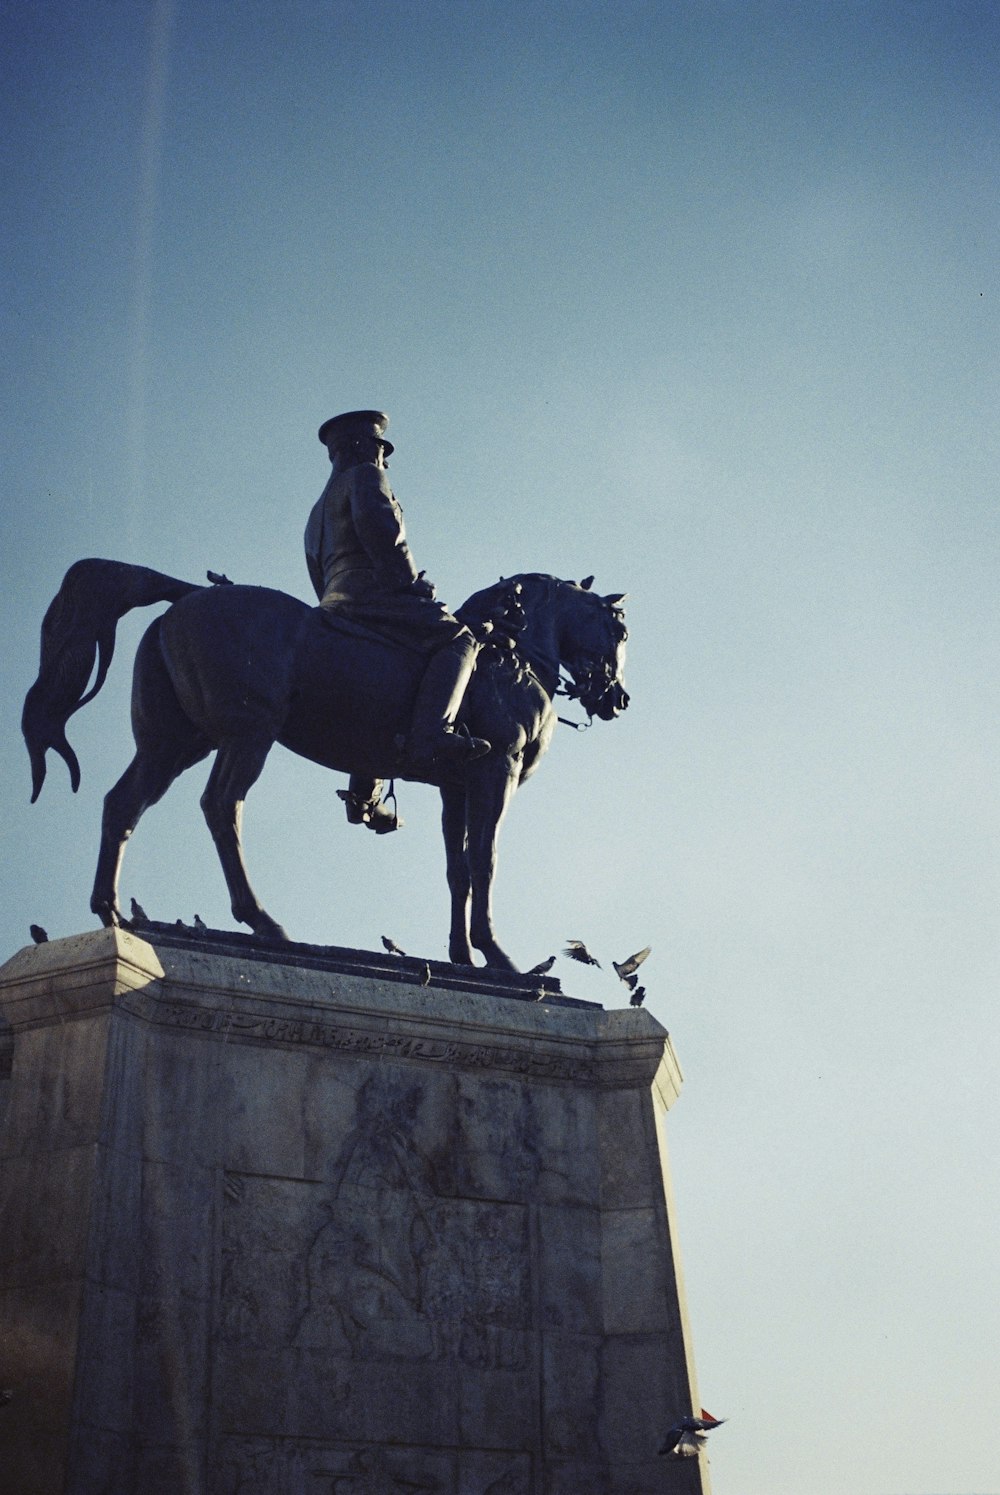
point(150, 161)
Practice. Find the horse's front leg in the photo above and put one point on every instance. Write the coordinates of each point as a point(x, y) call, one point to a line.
point(491, 785)
point(453, 824)
point(236, 769)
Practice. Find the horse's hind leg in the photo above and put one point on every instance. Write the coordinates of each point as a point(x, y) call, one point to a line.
point(236, 769)
point(166, 743)
point(146, 780)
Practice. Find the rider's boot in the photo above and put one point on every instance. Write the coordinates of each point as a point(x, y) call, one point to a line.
point(434, 738)
point(364, 805)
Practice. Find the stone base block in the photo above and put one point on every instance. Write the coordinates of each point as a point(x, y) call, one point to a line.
point(279, 1224)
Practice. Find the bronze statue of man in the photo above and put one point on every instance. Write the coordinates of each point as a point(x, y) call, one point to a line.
point(361, 568)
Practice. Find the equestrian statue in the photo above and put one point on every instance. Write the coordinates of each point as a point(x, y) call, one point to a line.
point(379, 682)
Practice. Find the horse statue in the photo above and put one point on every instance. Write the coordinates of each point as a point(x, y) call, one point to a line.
point(235, 669)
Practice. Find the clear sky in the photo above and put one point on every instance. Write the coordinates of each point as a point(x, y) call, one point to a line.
point(698, 297)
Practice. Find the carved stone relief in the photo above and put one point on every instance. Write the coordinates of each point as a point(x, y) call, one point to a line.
point(375, 1264)
point(257, 1466)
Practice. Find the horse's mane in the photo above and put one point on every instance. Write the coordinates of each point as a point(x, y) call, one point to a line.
point(491, 603)
point(487, 596)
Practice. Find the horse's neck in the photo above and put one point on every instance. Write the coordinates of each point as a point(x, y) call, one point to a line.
point(539, 640)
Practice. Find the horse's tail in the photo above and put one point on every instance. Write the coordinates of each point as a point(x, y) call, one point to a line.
point(78, 628)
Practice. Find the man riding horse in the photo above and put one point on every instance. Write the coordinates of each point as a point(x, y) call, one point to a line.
point(362, 569)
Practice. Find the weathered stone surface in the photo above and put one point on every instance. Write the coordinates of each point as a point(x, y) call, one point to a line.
point(269, 1227)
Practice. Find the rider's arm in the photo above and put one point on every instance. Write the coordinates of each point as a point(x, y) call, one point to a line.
point(378, 522)
point(314, 548)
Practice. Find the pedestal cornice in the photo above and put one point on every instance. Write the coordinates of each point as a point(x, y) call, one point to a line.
point(353, 1001)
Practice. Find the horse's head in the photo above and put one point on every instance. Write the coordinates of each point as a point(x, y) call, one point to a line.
point(592, 639)
point(561, 625)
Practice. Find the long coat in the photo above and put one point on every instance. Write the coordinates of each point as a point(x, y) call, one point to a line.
point(361, 566)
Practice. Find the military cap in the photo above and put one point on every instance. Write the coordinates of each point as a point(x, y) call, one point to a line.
point(354, 424)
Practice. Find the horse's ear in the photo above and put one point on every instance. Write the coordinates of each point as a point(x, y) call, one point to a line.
point(615, 599)
point(587, 583)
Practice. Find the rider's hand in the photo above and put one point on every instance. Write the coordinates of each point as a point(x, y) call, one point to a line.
point(421, 587)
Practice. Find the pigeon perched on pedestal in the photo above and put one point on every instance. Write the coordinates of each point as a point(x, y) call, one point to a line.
point(542, 968)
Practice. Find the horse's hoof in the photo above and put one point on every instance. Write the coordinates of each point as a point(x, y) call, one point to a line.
point(498, 961)
point(270, 930)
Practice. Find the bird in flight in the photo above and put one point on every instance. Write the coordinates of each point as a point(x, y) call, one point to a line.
point(688, 1434)
point(628, 967)
point(577, 950)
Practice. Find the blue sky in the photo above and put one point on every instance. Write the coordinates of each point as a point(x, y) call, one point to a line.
point(701, 298)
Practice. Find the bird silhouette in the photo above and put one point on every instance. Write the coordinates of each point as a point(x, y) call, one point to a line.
point(200, 924)
point(638, 997)
point(577, 950)
point(630, 964)
point(688, 1434)
point(542, 967)
point(38, 934)
point(391, 946)
point(139, 914)
point(218, 580)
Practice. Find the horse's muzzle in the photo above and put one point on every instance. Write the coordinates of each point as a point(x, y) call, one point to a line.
point(609, 704)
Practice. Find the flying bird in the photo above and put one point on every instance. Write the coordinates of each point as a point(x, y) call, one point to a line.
point(37, 933)
point(638, 997)
point(577, 950)
point(628, 967)
point(687, 1435)
point(542, 967)
point(391, 946)
point(139, 914)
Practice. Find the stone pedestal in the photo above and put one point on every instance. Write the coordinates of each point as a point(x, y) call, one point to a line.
point(294, 1223)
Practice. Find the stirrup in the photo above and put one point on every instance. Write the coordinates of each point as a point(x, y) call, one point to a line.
point(370, 812)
